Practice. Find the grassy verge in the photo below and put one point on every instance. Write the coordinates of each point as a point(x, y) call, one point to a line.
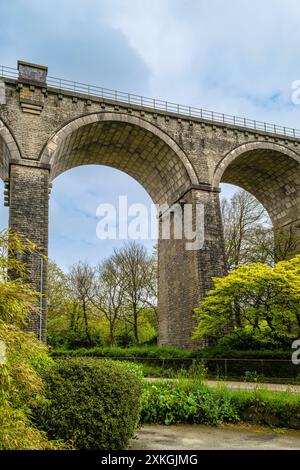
point(188, 402)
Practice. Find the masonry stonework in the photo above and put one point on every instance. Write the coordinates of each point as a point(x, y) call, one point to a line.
point(45, 131)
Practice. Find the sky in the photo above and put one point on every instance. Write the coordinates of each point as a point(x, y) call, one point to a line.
point(237, 57)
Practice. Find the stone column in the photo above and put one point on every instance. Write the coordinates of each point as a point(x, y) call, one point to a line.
point(28, 215)
point(186, 275)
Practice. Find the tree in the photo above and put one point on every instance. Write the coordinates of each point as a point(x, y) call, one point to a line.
point(23, 354)
point(109, 296)
point(58, 292)
point(256, 298)
point(248, 233)
point(82, 288)
point(17, 298)
point(138, 280)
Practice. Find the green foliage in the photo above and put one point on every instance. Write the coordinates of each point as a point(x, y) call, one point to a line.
point(243, 340)
point(258, 299)
point(18, 433)
point(16, 295)
point(93, 404)
point(261, 406)
point(136, 369)
point(186, 402)
point(159, 352)
point(252, 376)
point(60, 335)
point(25, 355)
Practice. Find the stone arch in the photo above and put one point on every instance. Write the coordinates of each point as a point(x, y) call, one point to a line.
point(128, 143)
point(271, 172)
point(8, 150)
point(242, 149)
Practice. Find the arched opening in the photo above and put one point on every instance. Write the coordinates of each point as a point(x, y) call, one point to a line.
point(80, 197)
point(271, 174)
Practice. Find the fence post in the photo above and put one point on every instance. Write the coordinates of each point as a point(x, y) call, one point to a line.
point(225, 368)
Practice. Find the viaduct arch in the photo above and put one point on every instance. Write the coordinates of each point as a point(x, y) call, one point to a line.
point(178, 155)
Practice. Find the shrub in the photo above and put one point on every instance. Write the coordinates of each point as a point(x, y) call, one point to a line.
point(186, 402)
point(159, 352)
point(23, 354)
point(252, 376)
point(18, 433)
point(190, 402)
point(93, 404)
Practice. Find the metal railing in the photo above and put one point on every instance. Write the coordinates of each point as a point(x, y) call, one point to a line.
point(274, 370)
point(159, 105)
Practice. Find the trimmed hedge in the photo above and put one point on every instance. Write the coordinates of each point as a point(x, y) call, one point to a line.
point(159, 352)
point(168, 352)
point(92, 404)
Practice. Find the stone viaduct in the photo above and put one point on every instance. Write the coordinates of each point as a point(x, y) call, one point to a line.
point(178, 153)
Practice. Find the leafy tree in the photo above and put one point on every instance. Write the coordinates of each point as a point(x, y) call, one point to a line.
point(58, 291)
point(256, 298)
